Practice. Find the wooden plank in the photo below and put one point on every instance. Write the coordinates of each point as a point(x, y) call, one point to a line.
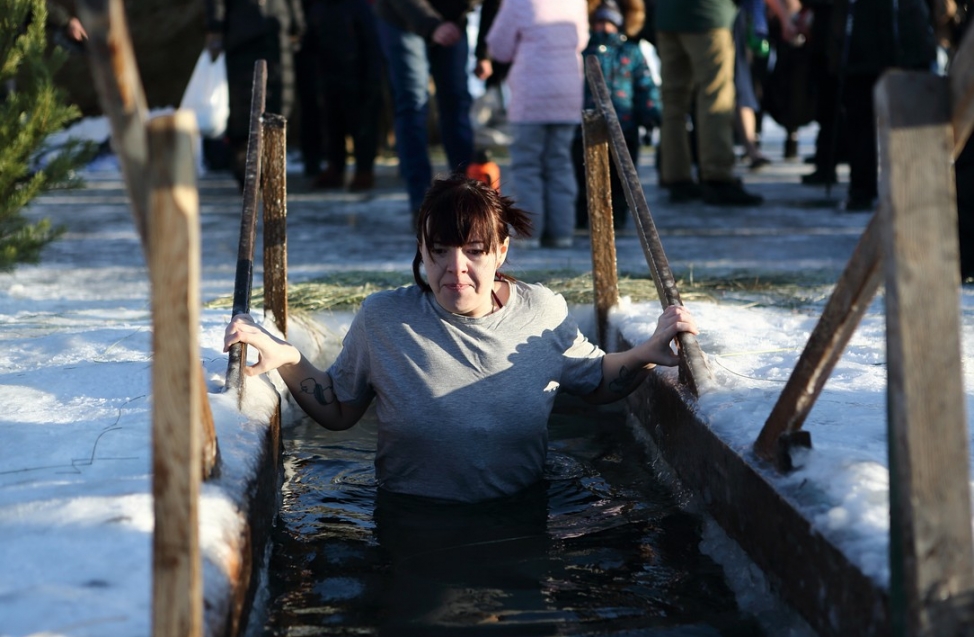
point(930, 510)
point(274, 189)
point(849, 301)
point(116, 77)
point(598, 194)
point(244, 279)
point(962, 91)
point(694, 370)
point(174, 260)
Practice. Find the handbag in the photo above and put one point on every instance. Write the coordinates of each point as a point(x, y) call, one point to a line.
point(208, 95)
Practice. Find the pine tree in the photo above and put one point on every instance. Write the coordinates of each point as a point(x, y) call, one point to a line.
point(31, 109)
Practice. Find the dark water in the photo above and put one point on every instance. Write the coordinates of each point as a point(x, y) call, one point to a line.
point(600, 548)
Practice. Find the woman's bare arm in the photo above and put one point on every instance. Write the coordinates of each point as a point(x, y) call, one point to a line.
point(622, 372)
point(310, 386)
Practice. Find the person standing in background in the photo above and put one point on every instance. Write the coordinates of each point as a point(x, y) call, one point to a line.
point(350, 72)
point(420, 38)
point(247, 31)
point(696, 50)
point(68, 28)
point(543, 41)
point(884, 34)
point(307, 75)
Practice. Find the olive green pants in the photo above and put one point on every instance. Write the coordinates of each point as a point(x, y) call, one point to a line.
point(697, 67)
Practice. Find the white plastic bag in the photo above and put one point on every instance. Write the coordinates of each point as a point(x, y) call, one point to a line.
point(208, 95)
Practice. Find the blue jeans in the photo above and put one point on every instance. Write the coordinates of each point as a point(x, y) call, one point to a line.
point(542, 177)
point(411, 61)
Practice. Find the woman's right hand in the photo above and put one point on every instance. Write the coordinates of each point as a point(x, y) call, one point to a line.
point(272, 351)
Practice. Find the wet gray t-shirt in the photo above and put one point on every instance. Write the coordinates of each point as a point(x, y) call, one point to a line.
point(463, 403)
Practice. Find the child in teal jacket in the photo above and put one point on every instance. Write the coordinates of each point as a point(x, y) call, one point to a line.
point(634, 94)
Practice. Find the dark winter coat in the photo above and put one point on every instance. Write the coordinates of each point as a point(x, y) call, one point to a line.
point(878, 41)
point(243, 21)
point(423, 16)
point(255, 30)
point(634, 94)
point(349, 53)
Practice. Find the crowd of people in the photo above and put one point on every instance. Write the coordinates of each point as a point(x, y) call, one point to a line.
point(367, 67)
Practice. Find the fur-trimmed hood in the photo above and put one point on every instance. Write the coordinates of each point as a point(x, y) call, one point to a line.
point(633, 14)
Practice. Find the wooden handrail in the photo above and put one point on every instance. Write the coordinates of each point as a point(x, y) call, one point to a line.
point(693, 364)
point(243, 281)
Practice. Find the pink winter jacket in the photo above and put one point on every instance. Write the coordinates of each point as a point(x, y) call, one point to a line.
point(543, 39)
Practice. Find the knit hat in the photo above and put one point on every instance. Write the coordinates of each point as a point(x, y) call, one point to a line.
point(608, 11)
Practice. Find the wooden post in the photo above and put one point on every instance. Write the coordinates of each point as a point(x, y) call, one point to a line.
point(605, 278)
point(694, 371)
point(116, 78)
point(243, 281)
point(274, 188)
point(855, 290)
point(120, 93)
point(931, 557)
point(174, 266)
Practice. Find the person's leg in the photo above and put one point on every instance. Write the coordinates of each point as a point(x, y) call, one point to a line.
point(746, 99)
point(560, 186)
point(964, 177)
point(363, 117)
point(676, 93)
point(712, 55)
point(408, 68)
point(449, 68)
point(335, 104)
point(578, 161)
point(525, 180)
point(863, 160)
point(746, 122)
point(310, 105)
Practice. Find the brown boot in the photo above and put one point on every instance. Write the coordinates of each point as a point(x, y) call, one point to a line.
point(362, 181)
point(330, 178)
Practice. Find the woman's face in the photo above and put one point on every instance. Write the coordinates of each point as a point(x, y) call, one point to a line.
point(462, 277)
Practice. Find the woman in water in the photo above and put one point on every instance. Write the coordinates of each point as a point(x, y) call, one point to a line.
point(464, 365)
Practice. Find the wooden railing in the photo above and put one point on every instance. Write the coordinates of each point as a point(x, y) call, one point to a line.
point(924, 121)
point(602, 135)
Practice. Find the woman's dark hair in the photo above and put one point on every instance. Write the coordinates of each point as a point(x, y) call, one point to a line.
point(457, 209)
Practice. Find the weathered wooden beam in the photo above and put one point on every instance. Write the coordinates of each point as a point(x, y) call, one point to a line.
point(849, 301)
point(244, 279)
point(174, 267)
point(116, 77)
point(694, 370)
point(961, 76)
point(931, 556)
point(802, 566)
point(598, 194)
point(274, 189)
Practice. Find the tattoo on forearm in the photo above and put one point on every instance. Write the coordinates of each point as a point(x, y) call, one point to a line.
point(313, 387)
point(621, 383)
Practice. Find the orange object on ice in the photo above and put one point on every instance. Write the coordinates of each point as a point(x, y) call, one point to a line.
point(484, 169)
